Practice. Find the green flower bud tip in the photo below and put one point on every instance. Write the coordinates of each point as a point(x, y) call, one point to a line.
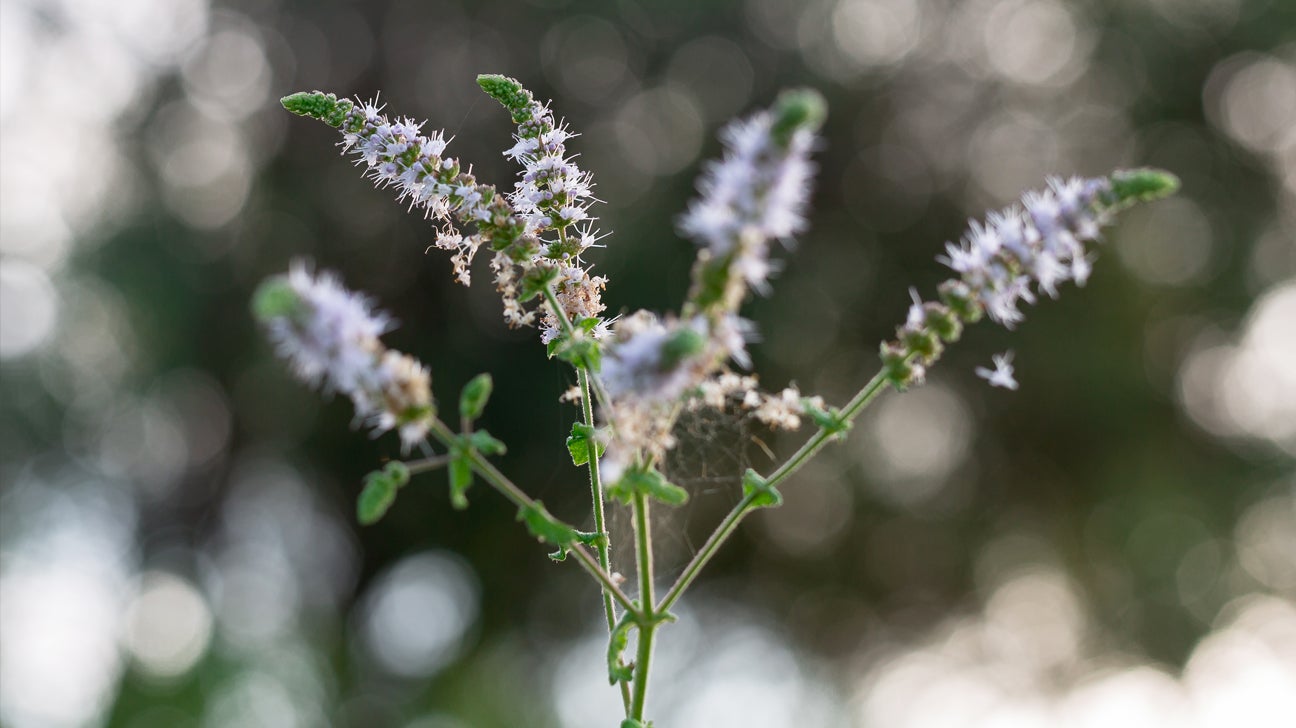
point(1142, 185)
point(274, 298)
point(509, 92)
point(797, 109)
point(318, 105)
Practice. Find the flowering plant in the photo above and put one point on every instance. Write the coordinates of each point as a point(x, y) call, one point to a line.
point(638, 373)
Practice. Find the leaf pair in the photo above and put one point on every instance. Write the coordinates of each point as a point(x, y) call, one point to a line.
point(380, 492)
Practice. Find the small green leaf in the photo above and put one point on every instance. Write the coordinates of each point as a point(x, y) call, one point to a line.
point(461, 478)
point(475, 395)
point(377, 497)
point(762, 494)
point(618, 671)
point(650, 483)
point(548, 529)
point(483, 442)
point(535, 281)
point(581, 352)
point(578, 443)
point(831, 419)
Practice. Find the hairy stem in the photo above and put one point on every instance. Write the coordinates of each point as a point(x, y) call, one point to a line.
point(740, 511)
point(649, 621)
point(587, 381)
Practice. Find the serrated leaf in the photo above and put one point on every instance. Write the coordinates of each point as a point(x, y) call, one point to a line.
point(617, 641)
point(475, 395)
point(762, 494)
point(483, 442)
point(461, 478)
point(650, 483)
point(548, 529)
point(578, 443)
point(581, 352)
point(375, 499)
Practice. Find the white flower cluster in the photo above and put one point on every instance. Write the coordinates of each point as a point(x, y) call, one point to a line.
point(1040, 243)
point(330, 337)
point(553, 195)
point(398, 155)
point(756, 193)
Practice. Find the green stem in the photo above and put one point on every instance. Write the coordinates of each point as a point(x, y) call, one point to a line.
point(427, 464)
point(514, 494)
point(587, 381)
point(740, 511)
point(648, 622)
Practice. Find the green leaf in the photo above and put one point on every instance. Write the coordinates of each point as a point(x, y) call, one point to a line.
point(461, 478)
point(475, 395)
point(535, 281)
point(483, 442)
point(762, 494)
point(831, 419)
point(618, 671)
point(581, 352)
point(548, 529)
point(376, 498)
point(650, 483)
point(578, 443)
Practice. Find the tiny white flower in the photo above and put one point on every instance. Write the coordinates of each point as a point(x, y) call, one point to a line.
point(1002, 374)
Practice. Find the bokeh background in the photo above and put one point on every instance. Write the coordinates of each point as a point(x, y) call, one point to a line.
point(1113, 545)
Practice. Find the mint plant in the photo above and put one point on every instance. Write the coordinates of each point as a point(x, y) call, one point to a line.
point(638, 373)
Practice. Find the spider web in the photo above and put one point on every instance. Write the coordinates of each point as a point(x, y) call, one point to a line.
point(714, 448)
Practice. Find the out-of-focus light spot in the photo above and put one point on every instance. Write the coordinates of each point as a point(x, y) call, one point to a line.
point(65, 551)
point(915, 442)
point(876, 32)
point(28, 308)
point(160, 31)
point(1244, 674)
point(205, 164)
point(142, 441)
point(1252, 97)
point(719, 668)
point(88, 75)
point(1248, 389)
point(1136, 697)
point(775, 21)
point(228, 75)
point(202, 410)
point(660, 130)
point(167, 625)
point(1036, 619)
point(811, 520)
point(1013, 151)
point(1215, 15)
point(254, 699)
point(415, 616)
point(586, 57)
point(716, 70)
point(1266, 543)
point(1273, 257)
point(1035, 42)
